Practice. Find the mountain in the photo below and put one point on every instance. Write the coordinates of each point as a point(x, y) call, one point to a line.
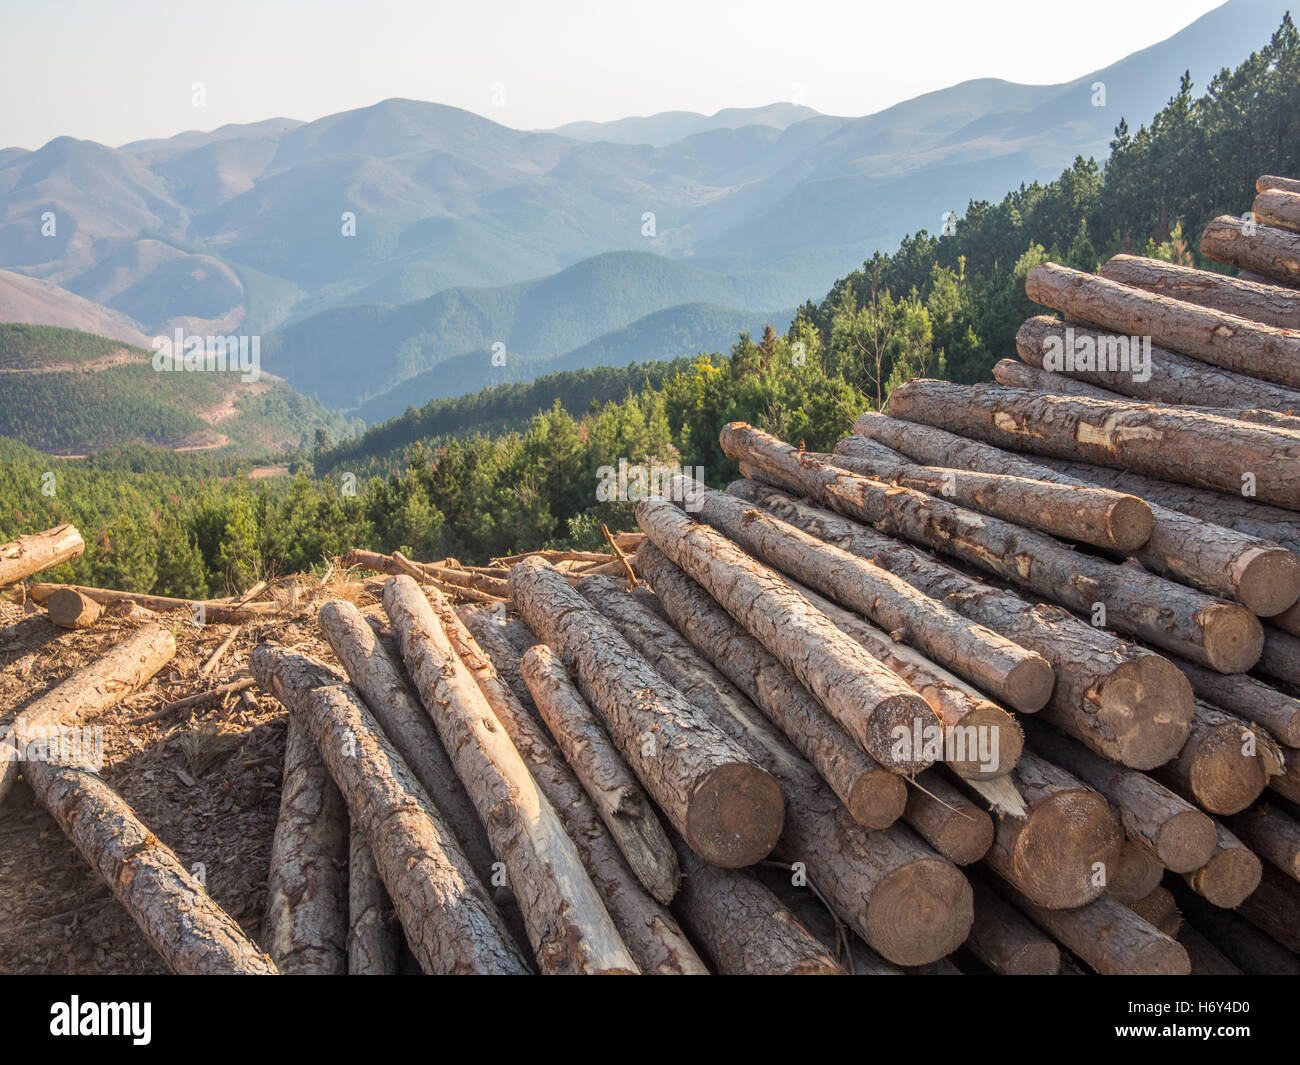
point(668, 127)
point(25, 299)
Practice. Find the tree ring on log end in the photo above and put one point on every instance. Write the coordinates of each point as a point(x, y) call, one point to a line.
point(1056, 853)
point(1146, 704)
point(1269, 582)
point(877, 799)
point(735, 816)
point(1185, 841)
point(920, 912)
point(1029, 685)
point(1234, 637)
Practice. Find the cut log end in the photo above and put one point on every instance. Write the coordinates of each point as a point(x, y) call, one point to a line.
point(1161, 957)
point(1184, 840)
point(1056, 854)
point(1146, 704)
point(894, 718)
point(921, 912)
point(1228, 878)
point(1130, 523)
point(735, 815)
point(1234, 637)
point(964, 839)
point(69, 609)
point(1269, 581)
point(877, 799)
point(992, 721)
point(1029, 685)
point(1225, 779)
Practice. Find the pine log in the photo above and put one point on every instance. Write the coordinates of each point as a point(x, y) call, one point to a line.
point(1274, 908)
point(568, 926)
point(190, 932)
point(1206, 958)
point(873, 795)
point(1245, 945)
point(1223, 635)
point(1108, 936)
point(39, 551)
point(988, 660)
point(450, 922)
point(1257, 572)
point(372, 939)
point(1272, 835)
point(1005, 941)
point(1166, 377)
point(1122, 701)
point(947, 820)
point(1225, 764)
point(201, 611)
point(1223, 340)
point(907, 903)
point(1136, 873)
point(1247, 698)
point(728, 808)
point(967, 716)
point(306, 924)
point(743, 927)
point(618, 797)
point(90, 690)
point(1264, 251)
point(1016, 374)
point(1160, 910)
point(1287, 782)
point(1058, 854)
point(1281, 657)
point(1271, 304)
point(69, 609)
point(1287, 621)
point(873, 705)
point(651, 933)
point(1176, 833)
point(1231, 873)
point(1279, 208)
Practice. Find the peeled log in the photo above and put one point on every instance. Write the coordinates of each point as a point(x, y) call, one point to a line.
point(1005, 941)
point(868, 701)
point(1122, 701)
point(1257, 572)
point(987, 659)
point(190, 932)
point(1230, 874)
point(1274, 908)
point(1271, 304)
point(622, 805)
point(1279, 208)
point(1176, 833)
point(1225, 340)
point(1272, 835)
point(372, 939)
point(69, 609)
point(568, 925)
point(1135, 874)
point(1225, 764)
point(44, 550)
point(873, 795)
point(451, 924)
point(728, 809)
point(947, 820)
point(659, 946)
point(91, 689)
point(306, 925)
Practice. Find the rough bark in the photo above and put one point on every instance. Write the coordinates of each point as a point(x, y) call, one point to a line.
point(1279, 208)
point(450, 922)
point(89, 690)
point(872, 704)
point(1206, 958)
point(618, 797)
point(650, 932)
point(1016, 374)
point(1122, 701)
point(906, 902)
point(372, 942)
point(1287, 782)
point(69, 609)
point(305, 929)
point(1225, 764)
point(1224, 340)
point(947, 820)
point(728, 808)
point(1272, 181)
point(1135, 874)
point(1178, 835)
point(1274, 908)
point(1223, 635)
point(1230, 874)
point(1249, 699)
point(1258, 572)
point(40, 551)
point(1281, 657)
point(1267, 252)
point(190, 932)
point(1271, 304)
point(1005, 941)
point(1272, 835)
point(568, 925)
point(873, 795)
point(1245, 945)
point(1159, 910)
point(1069, 836)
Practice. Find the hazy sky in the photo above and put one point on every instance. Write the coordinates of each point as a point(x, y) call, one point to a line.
point(122, 70)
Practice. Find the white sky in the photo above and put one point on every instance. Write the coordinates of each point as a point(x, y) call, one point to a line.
point(122, 70)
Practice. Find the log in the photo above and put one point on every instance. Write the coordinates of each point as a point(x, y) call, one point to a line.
point(618, 797)
point(1225, 764)
point(726, 807)
point(1279, 208)
point(1005, 941)
point(39, 551)
point(1057, 855)
point(873, 795)
point(1264, 251)
point(1271, 304)
point(1287, 621)
point(1223, 340)
point(190, 932)
point(881, 713)
point(494, 641)
point(1178, 835)
point(1159, 910)
point(450, 922)
point(652, 935)
point(1287, 782)
point(306, 924)
point(90, 690)
point(568, 925)
point(1122, 701)
point(1231, 873)
point(988, 660)
point(1272, 835)
point(372, 942)
point(1247, 698)
point(1016, 374)
point(1159, 375)
point(69, 609)
point(743, 927)
point(1272, 181)
point(1206, 958)
point(911, 906)
point(1135, 875)
point(1257, 572)
point(1274, 908)
point(1241, 942)
point(1223, 635)
point(201, 612)
point(1281, 657)
point(947, 820)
